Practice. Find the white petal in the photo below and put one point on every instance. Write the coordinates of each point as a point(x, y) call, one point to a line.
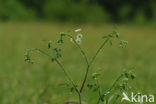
point(78, 41)
point(79, 36)
point(77, 30)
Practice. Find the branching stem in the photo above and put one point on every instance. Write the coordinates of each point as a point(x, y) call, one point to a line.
point(65, 72)
point(82, 51)
point(92, 60)
point(86, 59)
point(88, 63)
point(87, 68)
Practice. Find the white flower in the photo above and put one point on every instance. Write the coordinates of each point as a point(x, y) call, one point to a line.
point(79, 36)
point(78, 41)
point(77, 30)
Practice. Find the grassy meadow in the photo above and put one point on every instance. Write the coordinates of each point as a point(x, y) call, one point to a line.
point(24, 83)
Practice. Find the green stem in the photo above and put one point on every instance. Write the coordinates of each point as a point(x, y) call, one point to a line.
point(115, 83)
point(100, 48)
point(81, 50)
point(62, 67)
point(98, 101)
point(92, 60)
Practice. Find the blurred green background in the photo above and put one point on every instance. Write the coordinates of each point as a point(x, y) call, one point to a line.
point(25, 24)
point(79, 11)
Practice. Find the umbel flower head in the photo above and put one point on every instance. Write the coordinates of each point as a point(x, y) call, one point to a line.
point(78, 41)
point(78, 37)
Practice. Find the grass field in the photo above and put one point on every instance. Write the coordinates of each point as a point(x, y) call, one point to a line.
point(23, 83)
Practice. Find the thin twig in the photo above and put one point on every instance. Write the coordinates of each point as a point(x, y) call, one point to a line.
point(83, 53)
point(86, 59)
point(98, 101)
point(99, 92)
point(114, 83)
point(61, 66)
point(85, 78)
point(92, 60)
point(70, 79)
point(100, 48)
point(87, 62)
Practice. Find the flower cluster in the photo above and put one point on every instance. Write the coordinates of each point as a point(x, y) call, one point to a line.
point(78, 37)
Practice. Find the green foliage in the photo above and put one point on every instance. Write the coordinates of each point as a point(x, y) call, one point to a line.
point(115, 91)
point(22, 83)
point(121, 84)
point(124, 12)
point(76, 11)
point(28, 56)
point(140, 17)
point(12, 10)
point(153, 5)
point(69, 10)
point(122, 43)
